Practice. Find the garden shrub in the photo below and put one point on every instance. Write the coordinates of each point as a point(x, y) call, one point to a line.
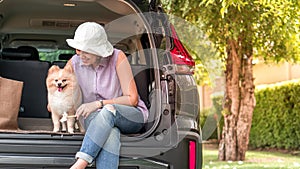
point(276, 117)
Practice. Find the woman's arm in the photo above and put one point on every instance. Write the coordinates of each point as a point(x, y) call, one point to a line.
point(130, 93)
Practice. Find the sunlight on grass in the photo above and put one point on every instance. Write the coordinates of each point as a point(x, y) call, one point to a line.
point(254, 160)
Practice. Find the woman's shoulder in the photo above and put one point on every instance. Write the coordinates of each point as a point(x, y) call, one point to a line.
point(116, 52)
point(115, 55)
point(75, 59)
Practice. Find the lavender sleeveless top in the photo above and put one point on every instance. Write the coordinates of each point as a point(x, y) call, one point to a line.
point(103, 82)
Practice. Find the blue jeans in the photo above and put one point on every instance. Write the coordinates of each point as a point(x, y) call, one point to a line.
point(101, 142)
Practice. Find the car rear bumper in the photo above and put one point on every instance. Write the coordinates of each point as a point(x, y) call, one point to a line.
point(59, 153)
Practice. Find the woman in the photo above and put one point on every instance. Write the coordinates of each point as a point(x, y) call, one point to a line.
point(111, 104)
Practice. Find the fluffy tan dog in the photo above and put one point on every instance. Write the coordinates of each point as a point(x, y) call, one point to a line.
point(64, 97)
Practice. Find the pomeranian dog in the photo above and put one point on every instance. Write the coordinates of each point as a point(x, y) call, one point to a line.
point(64, 97)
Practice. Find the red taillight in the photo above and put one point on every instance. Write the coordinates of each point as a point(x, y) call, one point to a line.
point(180, 55)
point(192, 155)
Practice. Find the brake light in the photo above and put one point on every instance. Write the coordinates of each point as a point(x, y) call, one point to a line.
point(192, 155)
point(180, 56)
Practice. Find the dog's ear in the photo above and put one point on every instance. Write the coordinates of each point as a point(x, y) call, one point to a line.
point(53, 69)
point(68, 68)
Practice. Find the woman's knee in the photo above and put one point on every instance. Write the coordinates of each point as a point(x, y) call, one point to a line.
point(110, 108)
point(106, 115)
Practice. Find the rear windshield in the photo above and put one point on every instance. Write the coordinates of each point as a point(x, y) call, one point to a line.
point(53, 55)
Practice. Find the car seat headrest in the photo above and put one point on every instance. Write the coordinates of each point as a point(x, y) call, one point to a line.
point(65, 56)
point(34, 54)
point(20, 53)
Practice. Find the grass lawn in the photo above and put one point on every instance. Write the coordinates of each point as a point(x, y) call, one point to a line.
point(254, 160)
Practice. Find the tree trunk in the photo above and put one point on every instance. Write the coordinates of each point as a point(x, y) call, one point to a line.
point(238, 104)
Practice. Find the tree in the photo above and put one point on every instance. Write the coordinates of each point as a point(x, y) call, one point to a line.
point(242, 30)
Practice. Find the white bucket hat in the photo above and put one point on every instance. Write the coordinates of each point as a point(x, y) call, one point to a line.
point(91, 37)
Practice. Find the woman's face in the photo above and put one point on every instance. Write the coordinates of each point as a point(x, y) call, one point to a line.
point(88, 58)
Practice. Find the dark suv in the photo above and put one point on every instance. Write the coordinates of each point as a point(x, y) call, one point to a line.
point(33, 37)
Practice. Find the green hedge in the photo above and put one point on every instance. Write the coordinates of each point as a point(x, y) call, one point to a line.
point(276, 117)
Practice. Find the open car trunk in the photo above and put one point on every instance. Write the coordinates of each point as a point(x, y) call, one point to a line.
point(48, 25)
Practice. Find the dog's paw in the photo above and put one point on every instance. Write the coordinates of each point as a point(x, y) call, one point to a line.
point(71, 131)
point(56, 130)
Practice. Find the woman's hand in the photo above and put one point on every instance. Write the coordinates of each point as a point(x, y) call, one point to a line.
point(86, 109)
